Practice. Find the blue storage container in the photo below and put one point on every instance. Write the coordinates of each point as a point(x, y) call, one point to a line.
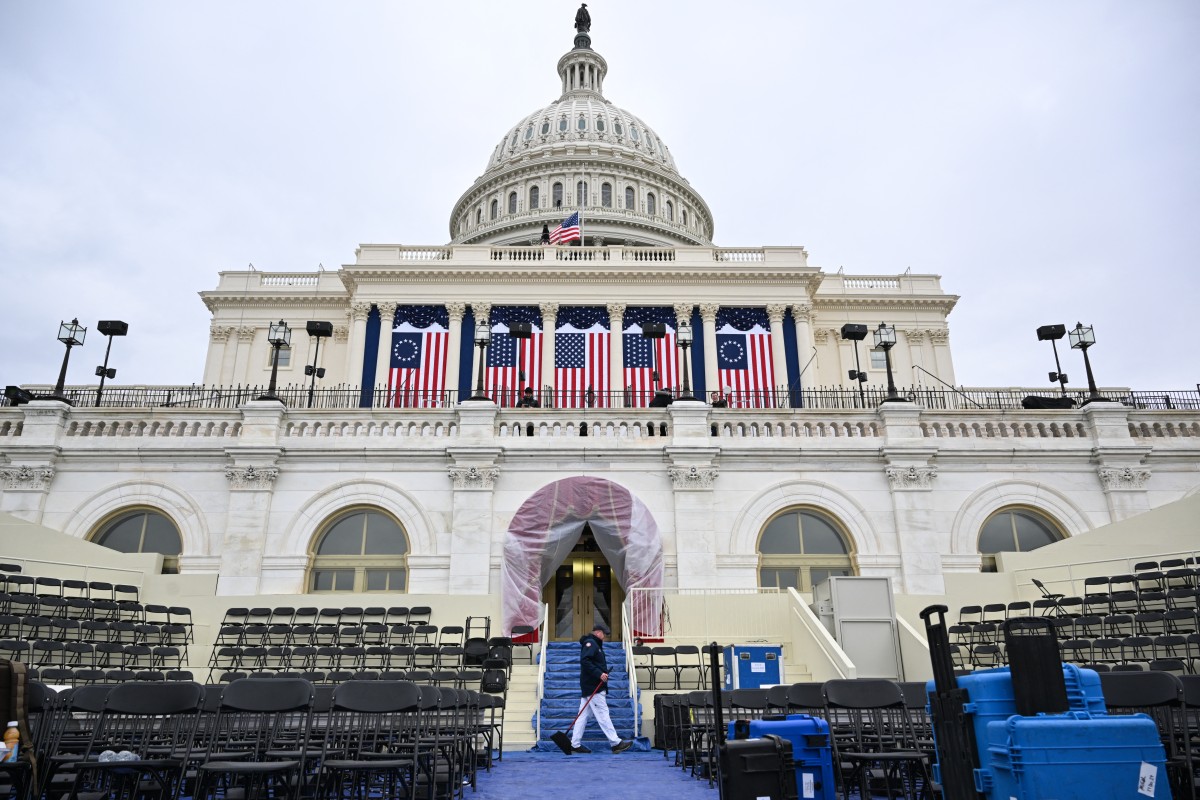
point(752, 666)
point(1074, 756)
point(991, 699)
point(811, 751)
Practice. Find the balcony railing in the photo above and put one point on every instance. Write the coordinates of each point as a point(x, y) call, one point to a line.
point(833, 398)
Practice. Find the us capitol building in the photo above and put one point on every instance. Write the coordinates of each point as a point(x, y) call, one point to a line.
point(391, 478)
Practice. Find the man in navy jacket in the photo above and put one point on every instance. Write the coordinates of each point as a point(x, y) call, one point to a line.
point(593, 677)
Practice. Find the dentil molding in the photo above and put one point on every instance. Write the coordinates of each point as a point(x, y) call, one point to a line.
point(1123, 478)
point(905, 478)
point(251, 477)
point(478, 478)
point(27, 477)
point(693, 477)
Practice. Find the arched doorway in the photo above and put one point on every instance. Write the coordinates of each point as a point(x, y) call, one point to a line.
point(622, 537)
point(583, 592)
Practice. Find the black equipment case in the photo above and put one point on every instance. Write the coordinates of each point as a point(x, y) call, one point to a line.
point(757, 769)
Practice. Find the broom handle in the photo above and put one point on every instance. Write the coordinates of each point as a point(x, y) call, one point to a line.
point(585, 705)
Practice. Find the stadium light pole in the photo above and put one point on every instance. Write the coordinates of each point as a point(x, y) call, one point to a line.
point(318, 331)
point(885, 340)
point(483, 335)
point(280, 336)
point(1052, 333)
point(109, 328)
point(72, 334)
point(856, 332)
point(1083, 337)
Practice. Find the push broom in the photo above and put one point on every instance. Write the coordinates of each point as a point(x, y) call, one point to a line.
point(562, 738)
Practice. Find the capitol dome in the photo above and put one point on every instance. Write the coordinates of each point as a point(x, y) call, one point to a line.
point(582, 153)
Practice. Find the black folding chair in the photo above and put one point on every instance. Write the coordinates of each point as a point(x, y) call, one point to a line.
point(1160, 696)
point(367, 749)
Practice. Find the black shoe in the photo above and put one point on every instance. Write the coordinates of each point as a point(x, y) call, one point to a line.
point(580, 749)
point(622, 746)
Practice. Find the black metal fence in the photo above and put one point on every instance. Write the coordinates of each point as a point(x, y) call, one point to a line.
point(817, 398)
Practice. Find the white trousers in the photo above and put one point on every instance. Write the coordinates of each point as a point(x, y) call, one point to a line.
point(598, 708)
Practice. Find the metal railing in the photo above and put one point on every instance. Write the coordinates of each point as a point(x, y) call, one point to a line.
point(543, 636)
point(831, 398)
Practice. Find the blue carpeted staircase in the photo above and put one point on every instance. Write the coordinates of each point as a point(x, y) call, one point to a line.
point(560, 701)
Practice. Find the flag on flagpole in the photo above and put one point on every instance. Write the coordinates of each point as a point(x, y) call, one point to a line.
point(744, 361)
point(420, 341)
point(568, 231)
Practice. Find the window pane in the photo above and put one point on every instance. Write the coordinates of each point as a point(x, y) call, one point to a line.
point(385, 580)
point(161, 536)
point(562, 124)
point(582, 124)
point(384, 537)
point(878, 359)
point(997, 535)
point(599, 124)
point(125, 535)
point(606, 195)
point(529, 132)
point(285, 356)
point(343, 580)
point(1032, 532)
point(779, 578)
point(545, 127)
point(820, 537)
point(344, 538)
point(533, 197)
point(618, 129)
point(322, 580)
point(782, 535)
point(629, 199)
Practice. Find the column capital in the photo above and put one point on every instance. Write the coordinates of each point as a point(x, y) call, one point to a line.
point(359, 310)
point(616, 310)
point(683, 312)
point(246, 333)
point(802, 311)
point(708, 312)
point(456, 311)
point(27, 477)
point(482, 311)
point(473, 477)
point(221, 333)
point(341, 333)
point(775, 312)
point(389, 307)
point(939, 336)
point(549, 309)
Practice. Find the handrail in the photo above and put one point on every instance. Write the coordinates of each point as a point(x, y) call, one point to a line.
point(948, 386)
point(543, 620)
point(630, 667)
point(834, 654)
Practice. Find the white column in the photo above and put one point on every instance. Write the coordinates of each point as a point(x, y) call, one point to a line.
point(616, 346)
point(775, 312)
point(383, 358)
point(549, 317)
point(802, 314)
point(708, 317)
point(358, 340)
point(454, 358)
point(941, 355)
point(244, 370)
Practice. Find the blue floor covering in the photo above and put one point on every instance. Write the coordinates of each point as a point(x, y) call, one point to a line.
point(554, 776)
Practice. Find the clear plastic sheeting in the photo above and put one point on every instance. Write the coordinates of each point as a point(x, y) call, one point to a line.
point(550, 522)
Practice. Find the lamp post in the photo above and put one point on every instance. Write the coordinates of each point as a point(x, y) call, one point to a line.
point(654, 330)
point(1053, 333)
point(318, 331)
point(280, 336)
point(683, 337)
point(109, 328)
point(483, 335)
point(1083, 337)
point(885, 340)
point(520, 330)
point(856, 333)
point(71, 334)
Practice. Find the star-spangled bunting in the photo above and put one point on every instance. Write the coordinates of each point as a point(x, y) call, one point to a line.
point(643, 356)
point(508, 357)
point(581, 348)
point(744, 362)
point(420, 339)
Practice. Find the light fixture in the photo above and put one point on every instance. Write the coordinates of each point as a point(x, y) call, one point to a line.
point(318, 331)
point(109, 328)
point(483, 336)
point(72, 334)
point(280, 336)
point(856, 332)
point(1052, 333)
point(1083, 337)
point(683, 337)
point(885, 340)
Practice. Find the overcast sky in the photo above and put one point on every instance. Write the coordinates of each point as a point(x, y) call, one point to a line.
point(1042, 157)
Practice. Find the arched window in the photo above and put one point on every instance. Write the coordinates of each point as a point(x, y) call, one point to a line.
point(606, 195)
point(683, 215)
point(142, 530)
point(534, 196)
point(800, 548)
point(529, 132)
point(545, 127)
point(651, 206)
point(581, 193)
point(1015, 528)
point(600, 124)
point(633, 134)
point(582, 123)
point(630, 201)
point(562, 124)
point(362, 550)
point(495, 209)
point(618, 129)
point(479, 216)
point(556, 192)
point(670, 209)
point(513, 142)
point(512, 202)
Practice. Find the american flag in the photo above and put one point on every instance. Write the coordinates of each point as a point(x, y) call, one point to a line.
point(642, 355)
point(744, 361)
point(507, 357)
point(420, 339)
point(568, 231)
point(581, 342)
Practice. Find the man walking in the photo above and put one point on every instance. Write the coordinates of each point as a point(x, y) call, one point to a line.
point(593, 677)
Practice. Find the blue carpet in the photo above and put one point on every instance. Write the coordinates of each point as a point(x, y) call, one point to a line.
point(554, 776)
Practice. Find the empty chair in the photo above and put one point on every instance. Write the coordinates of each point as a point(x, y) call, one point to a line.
point(1152, 623)
point(994, 612)
point(1088, 627)
point(1049, 600)
point(419, 615)
point(522, 636)
point(641, 663)
point(1181, 621)
point(451, 635)
point(1124, 602)
point(1159, 695)
point(1118, 626)
point(371, 742)
point(1152, 600)
point(1019, 608)
point(749, 703)
point(662, 659)
point(1077, 651)
point(687, 660)
point(970, 615)
point(1098, 604)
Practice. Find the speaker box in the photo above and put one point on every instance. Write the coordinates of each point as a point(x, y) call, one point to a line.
point(319, 328)
point(520, 330)
point(654, 330)
point(855, 331)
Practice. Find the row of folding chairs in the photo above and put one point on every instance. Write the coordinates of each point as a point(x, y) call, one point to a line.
point(367, 633)
point(105, 655)
point(58, 587)
point(861, 714)
point(1150, 623)
point(290, 738)
point(66, 676)
point(461, 679)
point(671, 667)
point(84, 609)
point(311, 615)
point(352, 658)
point(1094, 603)
point(65, 629)
point(1172, 653)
